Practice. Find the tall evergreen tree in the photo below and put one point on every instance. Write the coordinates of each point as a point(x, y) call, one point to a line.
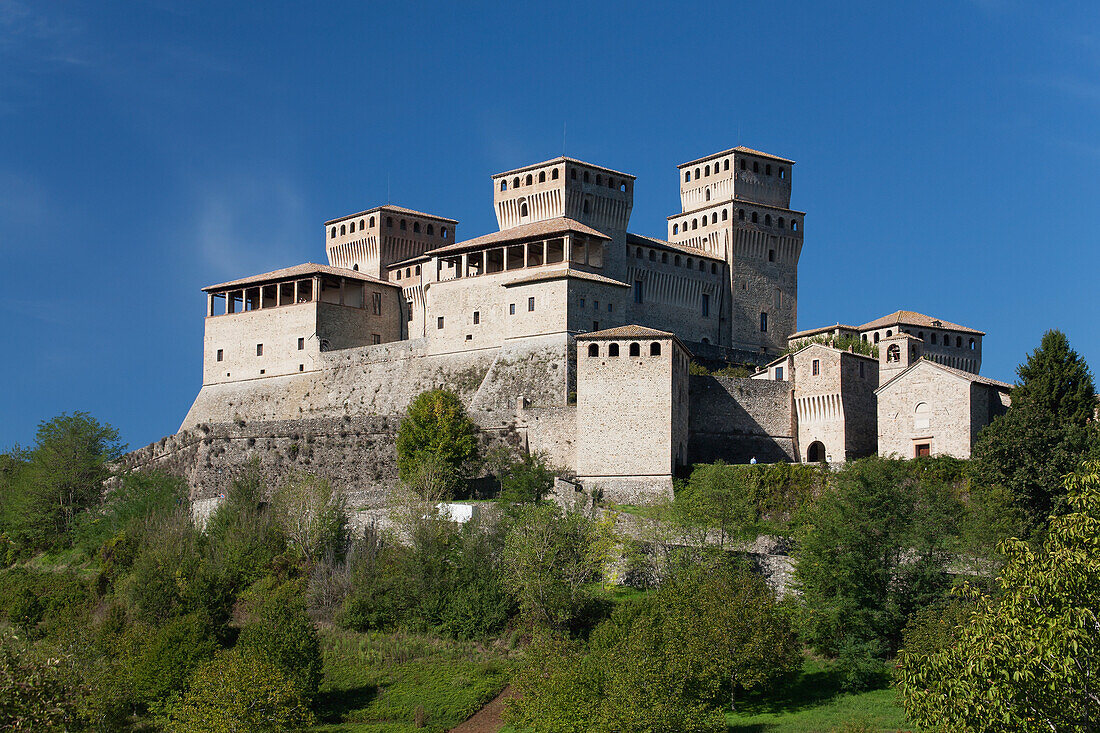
point(1045, 434)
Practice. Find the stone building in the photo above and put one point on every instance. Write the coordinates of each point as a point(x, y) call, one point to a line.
point(563, 332)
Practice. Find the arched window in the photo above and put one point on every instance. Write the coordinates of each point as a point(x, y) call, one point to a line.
point(362, 224)
point(816, 452)
point(932, 337)
point(714, 218)
point(655, 349)
point(684, 226)
point(782, 224)
point(638, 253)
point(714, 268)
point(755, 167)
point(599, 180)
point(554, 175)
point(741, 214)
point(688, 263)
point(523, 208)
point(635, 350)
point(389, 221)
point(443, 232)
point(768, 169)
point(529, 180)
point(706, 171)
point(416, 227)
point(584, 207)
point(586, 176)
point(515, 182)
point(742, 164)
point(417, 270)
point(973, 344)
point(687, 176)
point(708, 194)
point(542, 176)
point(332, 235)
point(664, 258)
point(876, 337)
point(794, 225)
point(920, 335)
point(612, 349)
point(610, 182)
point(763, 322)
point(652, 256)
point(726, 164)
point(399, 274)
point(702, 266)
point(697, 176)
point(922, 416)
point(754, 217)
point(893, 353)
point(677, 261)
point(355, 267)
point(889, 333)
point(371, 221)
point(403, 225)
point(431, 229)
point(503, 184)
point(573, 173)
point(767, 220)
point(782, 172)
point(622, 187)
point(725, 214)
point(694, 223)
point(958, 342)
point(343, 230)
point(675, 228)
point(408, 271)
point(593, 349)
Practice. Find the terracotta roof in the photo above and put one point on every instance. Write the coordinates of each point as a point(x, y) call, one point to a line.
point(950, 370)
point(410, 261)
point(628, 332)
point(823, 329)
point(738, 149)
point(559, 273)
point(394, 209)
point(297, 271)
point(562, 159)
point(653, 242)
point(560, 225)
point(912, 318)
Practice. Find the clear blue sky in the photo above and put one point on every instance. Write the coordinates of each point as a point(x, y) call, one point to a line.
point(947, 157)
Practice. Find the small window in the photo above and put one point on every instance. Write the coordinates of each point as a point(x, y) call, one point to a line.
point(687, 176)
point(301, 343)
point(741, 214)
point(599, 180)
point(593, 350)
point(782, 224)
point(893, 353)
point(706, 171)
point(439, 322)
point(389, 221)
point(706, 305)
point(343, 229)
point(528, 180)
point(755, 166)
point(742, 164)
point(530, 304)
point(697, 176)
point(767, 220)
point(652, 255)
point(573, 174)
point(714, 218)
point(675, 228)
point(477, 317)
point(431, 229)
point(375, 338)
point(755, 219)
point(259, 349)
point(220, 354)
point(542, 176)
point(612, 349)
point(861, 365)
point(664, 258)
point(554, 175)
point(714, 268)
point(370, 221)
point(816, 367)
point(582, 302)
point(399, 274)
point(726, 164)
point(973, 344)
point(635, 350)
point(584, 206)
point(694, 223)
point(504, 184)
point(794, 225)
point(332, 234)
point(417, 270)
point(782, 172)
point(771, 255)
point(511, 309)
point(655, 349)
point(595, 305)
point(586, 177)
point(932, 339)
point(958, 342)
point(637, 291)
point(876, 337)
point(725, 214)
point(362, 224)
point(376, 303)
point(768, 169)
point(595, 325)
point(301, 367)
point(404, 225)
point(779, 374)
point(708, 194)
point(688, 263)
point(610, 308)
point(763, 322)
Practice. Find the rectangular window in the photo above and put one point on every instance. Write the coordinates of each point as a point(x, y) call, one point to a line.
point(301, 344)
point(301, 367)
point(609, 308)
point(582, 302)
point(779, 374)
point(259, 349)
point(511, 309)
point(595, 305)
point(530, 304)
point(923, 450)
point(220, 354)
point(763, 322)
point(409, 311)
point(477, 317)
point(706, 305)
point(595, 325)
point(817, 367)
point(439, 322)
point(376, 302)
point(375, 338)
point(637, 291)
point(861, 369)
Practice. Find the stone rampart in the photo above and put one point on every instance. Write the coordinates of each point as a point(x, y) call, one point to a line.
point(735, 420)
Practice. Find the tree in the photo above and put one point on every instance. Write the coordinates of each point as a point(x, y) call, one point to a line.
point(550, 559)
point(1027, 658)
point(872, 551)
point(527, 480)
point(239, 691)
point(436, 425)
point(314, 518)
point(716, 499)
point(282, 633)
point(1044, 434)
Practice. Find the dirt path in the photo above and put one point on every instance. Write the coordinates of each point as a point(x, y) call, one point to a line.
point(489, 719)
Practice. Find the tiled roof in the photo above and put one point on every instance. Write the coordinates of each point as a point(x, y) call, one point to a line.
point(297, 271)
point(628, 332)
point(559, 273)
point(823, 329)
point(968, 376)
point(410, 261)
point(738, 149)
point(637, 239)
point(394, 209)
point(560, 225)
point(912, 318)
point(563, 159)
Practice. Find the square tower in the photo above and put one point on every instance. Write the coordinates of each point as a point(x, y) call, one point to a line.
point(370, 241)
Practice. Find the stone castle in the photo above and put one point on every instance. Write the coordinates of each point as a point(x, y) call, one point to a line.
point(569, 335)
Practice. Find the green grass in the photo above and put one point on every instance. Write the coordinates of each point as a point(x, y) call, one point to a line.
point(373, 682)
point(813, 702)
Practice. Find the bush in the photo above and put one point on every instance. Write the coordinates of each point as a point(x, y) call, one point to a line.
point(527, 480)
point(33, 692)
point(239, 691)
point(282, 632)
point(158, 662)
point(436, 425)
point(313, 518)
point(137, 500)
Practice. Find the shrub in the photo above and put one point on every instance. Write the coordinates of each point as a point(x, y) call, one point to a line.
point(239, 691)
point(33, 692)
point(159, 662)
point(527, 480)
point(136, 500)
point(282, 632)
point(313, 518)
point(436, 425)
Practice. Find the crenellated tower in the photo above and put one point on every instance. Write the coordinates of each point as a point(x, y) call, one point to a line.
point(736, 205)
point(371, 240)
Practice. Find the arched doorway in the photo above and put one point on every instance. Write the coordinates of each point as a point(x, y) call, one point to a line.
point(816, 452)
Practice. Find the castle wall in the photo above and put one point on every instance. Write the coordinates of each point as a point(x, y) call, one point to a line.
point(860, 405)
point(236, 336)
point(734, 420)
point(672, 294)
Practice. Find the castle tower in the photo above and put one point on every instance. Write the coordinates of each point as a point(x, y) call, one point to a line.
point(736, 205)
point(897, 353)
point(371, 240)
point(598, 197)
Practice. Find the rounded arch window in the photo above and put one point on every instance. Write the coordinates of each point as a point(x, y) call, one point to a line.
point(599, 179)
point(389, 221)
point(635, 349)
point(920, 335)
point(755, 219)
point(677, 261)
point(767, 220)
point(755, 167)
point(638, 253)
point(741, 214)
point(664, 257)
point(523, 208)
point(697, 176)
point(687, 176)
point(694, 223)
point(503, 184)
point(362, 224)
point(876, 338)
point(893, 353)
point(973, 344)
point(403, 225)
point(688, 263)
point(443, 232)
point(684, 226)
point(332, 234)
point(675, 228)
point(708, 194)
point(612, 349)
point(573, 173)
point(816, 452)
point(922, 416)
point(593, 349)
point(702, 266)
point(528, 180)
point(542, 176)
point(622, 187)
point(742, 164)
point(932, 338)
point(356, 268)
point(371, 221)
point(782, 224)
point(889, 333)
point(416, 227)
point(515, 182)
point(655, 348)
point(586, 177)
point(554, 174)
point(714, 218)
point(794, 225)
point(726, 164)
point(706, 171)
point(725, 215)
point(585, 207)
point(431, 229)
point(417, 270)
point(958, 341)
point(610, 182)
point(652, 256)
point(768, 169)
point(343, 229)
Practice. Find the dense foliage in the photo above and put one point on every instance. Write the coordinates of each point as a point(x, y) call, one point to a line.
point(1027, 658)
point(437, 434)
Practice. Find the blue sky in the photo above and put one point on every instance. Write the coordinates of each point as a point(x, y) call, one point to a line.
point(947, 155)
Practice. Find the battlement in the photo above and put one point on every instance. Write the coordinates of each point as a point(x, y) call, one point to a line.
point(370, 241)
point(738, 173)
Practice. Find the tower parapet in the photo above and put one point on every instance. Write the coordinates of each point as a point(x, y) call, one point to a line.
point(371, 240)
